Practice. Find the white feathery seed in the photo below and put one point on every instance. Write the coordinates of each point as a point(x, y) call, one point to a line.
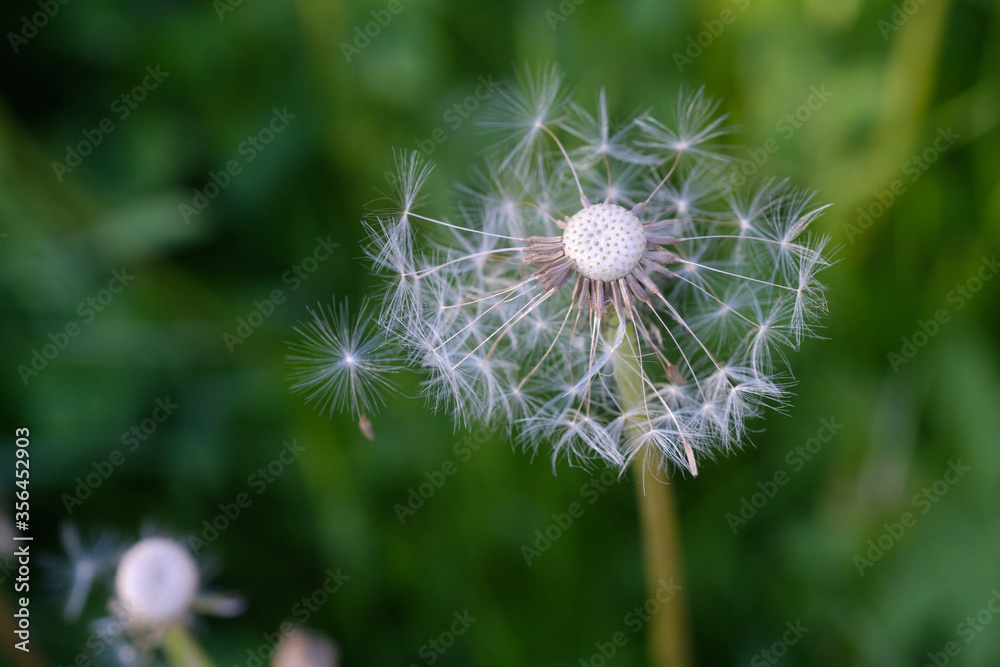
point(342, 364)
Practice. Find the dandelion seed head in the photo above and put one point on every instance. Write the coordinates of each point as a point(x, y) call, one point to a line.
point(157, 581)
point(606, 241)
point(583, 252)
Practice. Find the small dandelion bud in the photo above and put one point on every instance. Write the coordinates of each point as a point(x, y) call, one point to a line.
point(303, 648)
point(156, 583)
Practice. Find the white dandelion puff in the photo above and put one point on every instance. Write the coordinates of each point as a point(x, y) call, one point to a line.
point(157, 582)
point(601, 292)
point(156, 589)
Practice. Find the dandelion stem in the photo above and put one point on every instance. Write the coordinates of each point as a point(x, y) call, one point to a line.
point(182, 650)
point(669, 642)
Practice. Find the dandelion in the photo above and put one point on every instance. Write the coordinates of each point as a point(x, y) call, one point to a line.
point(601, 290)
point(156, 582)
point(157, 588)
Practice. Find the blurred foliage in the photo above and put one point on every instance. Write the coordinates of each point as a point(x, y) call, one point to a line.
point(896, 79)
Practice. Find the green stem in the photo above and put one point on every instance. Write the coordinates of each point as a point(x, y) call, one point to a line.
point(669, 642)
point(182, 650)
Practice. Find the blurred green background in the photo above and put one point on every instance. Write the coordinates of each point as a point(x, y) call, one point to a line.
point(893, 77)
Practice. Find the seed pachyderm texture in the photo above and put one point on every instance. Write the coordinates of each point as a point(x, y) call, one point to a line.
point(605, 241)
point(598, 290)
